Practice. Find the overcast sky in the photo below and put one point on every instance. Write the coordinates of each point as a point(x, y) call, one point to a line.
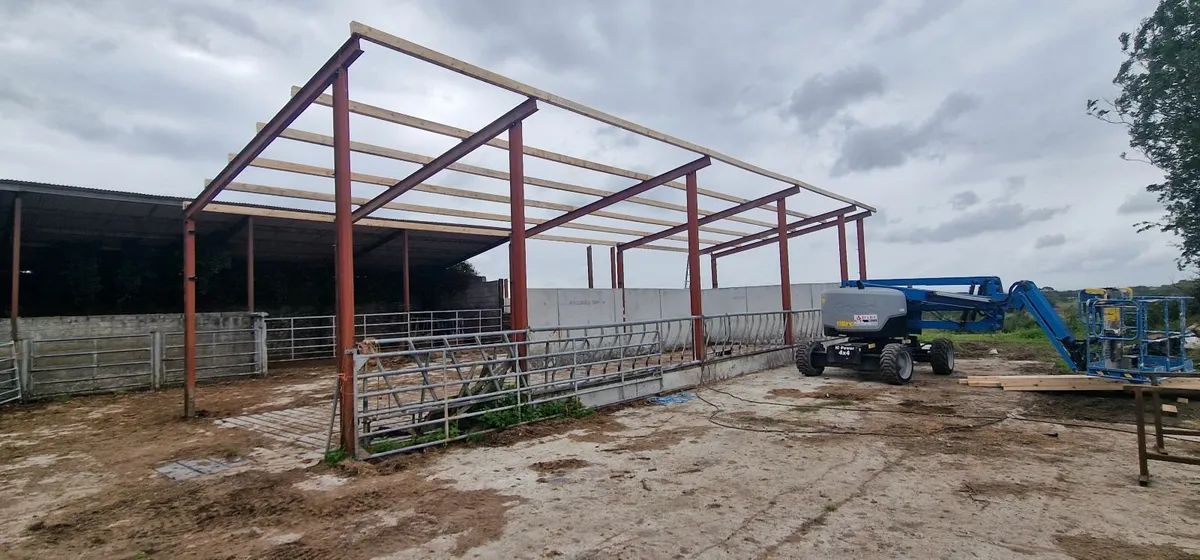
point(961, 120)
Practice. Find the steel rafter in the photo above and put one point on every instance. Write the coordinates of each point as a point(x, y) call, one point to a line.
point(343, 58)
point(690, 167)
point(493, 129)
point(792, 234)
point(750, 205)
point(769, 232)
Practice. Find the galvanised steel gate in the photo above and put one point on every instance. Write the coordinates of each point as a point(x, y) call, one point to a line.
point(10, 379)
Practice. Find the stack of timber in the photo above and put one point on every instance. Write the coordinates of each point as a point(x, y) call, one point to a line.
point(1066, 383)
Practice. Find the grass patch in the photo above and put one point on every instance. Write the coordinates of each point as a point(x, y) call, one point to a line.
point(385, 445)
point(333, 457)
point(501, 419)
point(511, 415)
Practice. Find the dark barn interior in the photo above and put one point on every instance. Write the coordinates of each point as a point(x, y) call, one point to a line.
point(87, 252)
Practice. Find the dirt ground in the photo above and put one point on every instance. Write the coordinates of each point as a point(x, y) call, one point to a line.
point(768, 465)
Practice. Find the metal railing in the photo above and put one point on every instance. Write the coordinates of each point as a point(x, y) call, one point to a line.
point(443, 388)
point(10, 377)
point(94, 364)
point(411, 393)
point(741, 334)
point(312, 337)
point(219, 354)
point(51, 367)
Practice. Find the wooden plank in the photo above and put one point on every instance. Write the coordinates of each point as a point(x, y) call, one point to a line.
point(1170, 410)
point(400, 224)
point(401, 155)
point(422, 209)
point(395, 117)
point(433, 57)
point(1071, 382)
point(303, 169)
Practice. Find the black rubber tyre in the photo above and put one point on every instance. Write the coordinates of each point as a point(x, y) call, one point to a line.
point(941, 356)
point(804, 358)
point(896, 364)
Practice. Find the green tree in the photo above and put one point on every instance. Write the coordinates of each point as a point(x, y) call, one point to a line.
point(1159, 105)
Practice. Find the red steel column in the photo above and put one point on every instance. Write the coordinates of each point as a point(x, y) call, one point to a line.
point(612, 265)
point(16, 267)
point(841, 227)
point(591, 277)
point(407, 294)
point(862, 252)
point(693, 229)
point(517, 262)
point(345, 255)
point(785, 278)
point(250, 263)
point(620, 269)
point(189, 318)
point(712, 261)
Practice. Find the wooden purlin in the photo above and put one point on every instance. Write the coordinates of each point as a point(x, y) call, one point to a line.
point(1065, 382)
point(304, 169)
point(395, 117)
point(288, 214)
point(285, 192)
point(401, 155)
point(431, 56)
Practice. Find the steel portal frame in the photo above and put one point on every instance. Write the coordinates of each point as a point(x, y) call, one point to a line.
point(335, 74)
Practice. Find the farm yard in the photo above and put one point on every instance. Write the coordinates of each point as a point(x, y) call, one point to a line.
point(331, 293)
point(767, 465)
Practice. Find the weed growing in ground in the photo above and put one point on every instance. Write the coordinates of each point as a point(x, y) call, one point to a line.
point(333, 457)
point(512, 414)
point(385, 445)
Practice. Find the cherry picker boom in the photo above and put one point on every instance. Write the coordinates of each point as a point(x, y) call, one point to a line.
point(881, 321)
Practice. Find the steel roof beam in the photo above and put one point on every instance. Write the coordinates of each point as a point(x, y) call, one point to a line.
point(750, 205)
point(618, 196)
point(792, 234)
point(343, 58)
point(769, 232)
point(493, 129)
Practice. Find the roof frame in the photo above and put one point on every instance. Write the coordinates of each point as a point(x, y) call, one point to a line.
point(410, 157)
point(659, 180)
point(792, 234)
point(343, 58)
point(469, 144)
point(773, 231)
point(727, 213)
point(384, 39)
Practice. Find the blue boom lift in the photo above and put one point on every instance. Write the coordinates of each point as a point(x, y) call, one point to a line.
point(882, 320)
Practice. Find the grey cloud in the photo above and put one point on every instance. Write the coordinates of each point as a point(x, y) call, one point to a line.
point(195, 24)
point(1142, 202)
point(964, 200)
point(823, 96)
point(867, 148)
point(1007, 216)
point(925, 14)
point(1052, 240)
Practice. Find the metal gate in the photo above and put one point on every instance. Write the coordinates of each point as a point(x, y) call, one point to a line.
point(10, 382)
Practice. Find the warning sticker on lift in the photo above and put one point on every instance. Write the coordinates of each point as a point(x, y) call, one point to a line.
point(865, 320)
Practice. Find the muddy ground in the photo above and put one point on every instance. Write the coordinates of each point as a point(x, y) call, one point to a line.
point(769, 465)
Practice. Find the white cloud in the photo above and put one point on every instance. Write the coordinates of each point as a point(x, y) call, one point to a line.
point(151, 96)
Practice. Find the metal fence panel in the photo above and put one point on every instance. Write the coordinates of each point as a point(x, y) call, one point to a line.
point(312, 337)
point(415, 392)
point(10, 379)
point(219, 354)
point(69, 366)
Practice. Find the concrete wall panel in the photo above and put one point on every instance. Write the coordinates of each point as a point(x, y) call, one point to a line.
point(588, 307)
point(764, 298)
point(543, 308)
